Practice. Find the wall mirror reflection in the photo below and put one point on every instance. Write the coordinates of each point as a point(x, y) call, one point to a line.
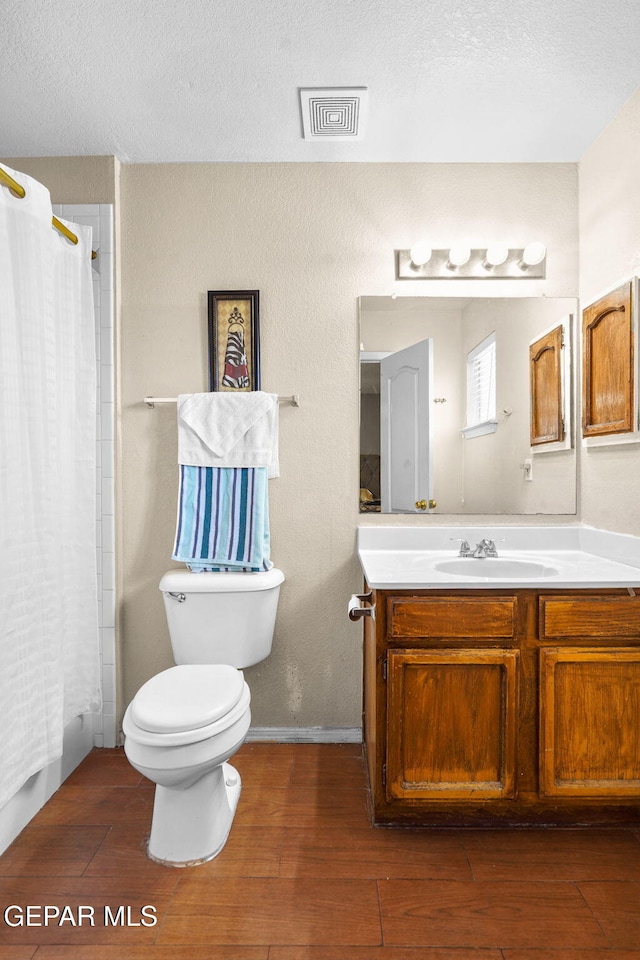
point(466, 405)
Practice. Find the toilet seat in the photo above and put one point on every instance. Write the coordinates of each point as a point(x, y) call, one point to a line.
point(186, 704)
point(186, 697)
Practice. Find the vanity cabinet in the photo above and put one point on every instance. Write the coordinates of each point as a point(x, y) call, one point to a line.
point(486, 707)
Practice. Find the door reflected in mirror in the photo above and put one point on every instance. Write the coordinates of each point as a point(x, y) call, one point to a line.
point(453, 393)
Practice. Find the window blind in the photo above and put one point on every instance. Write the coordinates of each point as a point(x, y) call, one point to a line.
point(481, 384)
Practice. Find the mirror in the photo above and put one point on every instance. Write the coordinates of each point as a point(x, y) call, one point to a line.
point(501, 468)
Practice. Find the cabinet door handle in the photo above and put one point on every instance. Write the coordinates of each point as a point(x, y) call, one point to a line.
point(423, 504)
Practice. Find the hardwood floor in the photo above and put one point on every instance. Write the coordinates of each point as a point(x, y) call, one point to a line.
point(305, 877)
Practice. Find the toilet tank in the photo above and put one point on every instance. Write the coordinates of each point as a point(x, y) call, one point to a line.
point(221, 617)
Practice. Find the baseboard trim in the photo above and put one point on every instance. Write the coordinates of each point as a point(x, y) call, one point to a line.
point(305, 734)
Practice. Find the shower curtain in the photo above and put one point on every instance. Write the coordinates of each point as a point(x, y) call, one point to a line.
point(49, 643)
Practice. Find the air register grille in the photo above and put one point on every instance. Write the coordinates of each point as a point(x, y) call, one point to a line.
point(333, 114)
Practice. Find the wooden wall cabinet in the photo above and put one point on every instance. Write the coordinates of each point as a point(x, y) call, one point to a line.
point(515, 707)
point(545, 388)
point(608, 365)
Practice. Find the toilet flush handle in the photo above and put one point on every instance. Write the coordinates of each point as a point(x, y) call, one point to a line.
point(180, 597)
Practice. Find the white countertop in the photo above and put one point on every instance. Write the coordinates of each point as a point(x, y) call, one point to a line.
point(405, 557)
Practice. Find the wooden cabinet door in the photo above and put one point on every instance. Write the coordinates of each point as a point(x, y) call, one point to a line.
point(590, 722)
point(451, 724)
point(607, 365)
point(545, 388)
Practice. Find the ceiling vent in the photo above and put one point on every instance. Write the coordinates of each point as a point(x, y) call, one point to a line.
point(333, 114)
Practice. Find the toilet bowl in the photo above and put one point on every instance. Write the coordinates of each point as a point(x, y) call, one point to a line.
point(185, 723)
point(180, 730)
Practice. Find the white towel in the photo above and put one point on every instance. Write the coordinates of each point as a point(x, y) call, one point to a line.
point(225, 429)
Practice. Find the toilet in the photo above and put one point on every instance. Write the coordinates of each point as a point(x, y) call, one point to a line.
point(184, 724)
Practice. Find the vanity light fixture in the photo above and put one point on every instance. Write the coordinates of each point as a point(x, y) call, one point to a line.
point(496, 261)
point(420, 254)
point(533, 254)
point(496, 255)
point(458, 256)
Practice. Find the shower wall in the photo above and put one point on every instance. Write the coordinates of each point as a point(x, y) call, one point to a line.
point(99, 216)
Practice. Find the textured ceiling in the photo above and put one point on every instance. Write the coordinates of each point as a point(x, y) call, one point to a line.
point(217, 80)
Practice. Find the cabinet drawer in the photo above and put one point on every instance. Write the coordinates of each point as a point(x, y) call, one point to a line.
point(598, 617)
point(455, 617)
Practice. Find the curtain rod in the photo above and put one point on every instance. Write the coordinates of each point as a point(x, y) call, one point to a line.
point(151, 401)
point(21, 192)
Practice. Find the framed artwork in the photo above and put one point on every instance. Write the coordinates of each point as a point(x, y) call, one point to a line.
point(234, 339)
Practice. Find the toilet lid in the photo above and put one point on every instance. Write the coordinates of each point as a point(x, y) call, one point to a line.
point(187, 697)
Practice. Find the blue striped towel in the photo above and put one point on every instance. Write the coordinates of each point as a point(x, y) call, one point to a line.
point(223, 519)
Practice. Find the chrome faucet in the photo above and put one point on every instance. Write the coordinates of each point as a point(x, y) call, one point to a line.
point(465, 549)
point(486, 548)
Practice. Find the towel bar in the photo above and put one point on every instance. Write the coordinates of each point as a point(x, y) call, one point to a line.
point(294, 400)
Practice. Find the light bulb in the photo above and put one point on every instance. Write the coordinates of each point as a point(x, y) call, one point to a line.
point(496, 254)
point(533, 254)
point(459, 255)
point(420, 254)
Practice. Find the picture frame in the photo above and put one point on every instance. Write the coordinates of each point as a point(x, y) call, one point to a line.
point(234, 339)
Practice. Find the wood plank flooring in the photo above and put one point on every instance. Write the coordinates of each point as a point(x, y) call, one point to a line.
point(305, 877)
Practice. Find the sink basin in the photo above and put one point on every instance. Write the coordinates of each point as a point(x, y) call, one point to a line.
point(503, 568)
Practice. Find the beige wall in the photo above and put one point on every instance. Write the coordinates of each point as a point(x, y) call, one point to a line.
point(311, 238)
point(610, 254)
point(73, 179)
